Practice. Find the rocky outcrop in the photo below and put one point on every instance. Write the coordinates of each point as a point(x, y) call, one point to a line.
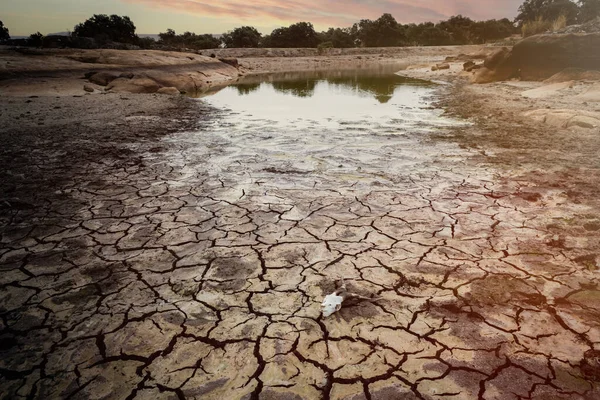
point(139, 84)
point(171, 91)
point(441, 66)
point(574, 74)
point(104, 78)
point(230, 61)
point(153, 81)
point(542, 56)
point(565, 118)
point(141, 71)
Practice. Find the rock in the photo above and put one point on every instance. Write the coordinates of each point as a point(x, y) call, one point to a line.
point(590, 365)
point(547, 90)
point(89, 74)
point(468, 66)
point(496, 58)
point(172, 91)
point(88, 88)
point(231, 61)
point(583, 121)
point(574, 74)
point(192, 83)
point(443, 66)
point(104, 78)
point(542, 56)
point(139, 84)
point(565, 118)
point(592, 94)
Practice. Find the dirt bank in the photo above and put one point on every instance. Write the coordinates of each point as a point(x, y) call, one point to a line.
point(66, 72)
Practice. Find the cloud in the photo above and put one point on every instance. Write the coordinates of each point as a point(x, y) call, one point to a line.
point(335, 12)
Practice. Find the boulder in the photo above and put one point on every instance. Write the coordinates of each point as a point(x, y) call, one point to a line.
point(468, 66)
point(171, 91)
point(443, 66)
point(542, 56)
point(548, 90)
point(592, 94)
point(104, 78)
point(496, 58)
point(231, 61)
point(565, 118)
point(191, 83)
point(88, 88)
point(138, 84)
point(574, 74)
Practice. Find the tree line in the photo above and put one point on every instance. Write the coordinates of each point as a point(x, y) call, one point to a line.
point(382, 32)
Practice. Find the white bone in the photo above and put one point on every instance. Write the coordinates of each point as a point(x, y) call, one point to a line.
point(331, 303)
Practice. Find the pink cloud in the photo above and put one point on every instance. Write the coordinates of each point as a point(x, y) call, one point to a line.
point(336, 12)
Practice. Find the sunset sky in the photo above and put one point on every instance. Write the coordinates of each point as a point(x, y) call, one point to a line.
point(23, 17)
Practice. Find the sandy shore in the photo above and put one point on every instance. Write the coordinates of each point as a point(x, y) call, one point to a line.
point(141, 259)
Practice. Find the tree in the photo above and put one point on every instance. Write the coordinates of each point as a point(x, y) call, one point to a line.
point(168, 37)
point(338, 37)
point(244, 37)
point(460, 28)
point(301, 34)
point(547, 10)
point(491, 30)
point(188, 40)
point(383, 32)
point(588, 10)
point(36, 40)
point(103, 27)
point(4, 34)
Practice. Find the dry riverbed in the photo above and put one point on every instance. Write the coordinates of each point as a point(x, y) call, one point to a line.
point(142, 259)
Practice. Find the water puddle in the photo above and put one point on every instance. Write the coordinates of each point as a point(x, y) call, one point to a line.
point(366, 100)
point(342, 128)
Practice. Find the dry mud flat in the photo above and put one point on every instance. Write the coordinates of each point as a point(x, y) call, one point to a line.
point(193, 266)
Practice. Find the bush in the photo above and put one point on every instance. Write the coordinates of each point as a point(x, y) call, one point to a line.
point(36, 40)
point(146, 43)
point(542, 26)
point(559, 23)
point(4, 34)
point(536, 27)
point(322, 47)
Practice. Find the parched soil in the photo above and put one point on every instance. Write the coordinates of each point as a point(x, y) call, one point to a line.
point(147, 254)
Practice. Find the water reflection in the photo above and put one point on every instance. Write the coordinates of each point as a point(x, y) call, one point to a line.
point(344, 100)
point(379, 83)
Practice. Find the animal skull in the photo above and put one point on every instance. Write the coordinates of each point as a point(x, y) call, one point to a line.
point(331, 304)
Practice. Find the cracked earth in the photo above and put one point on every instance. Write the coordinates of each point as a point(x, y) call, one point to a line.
point(193, 266)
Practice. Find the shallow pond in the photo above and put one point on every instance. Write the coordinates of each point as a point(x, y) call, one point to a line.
point(339, 128)
point(367, 100)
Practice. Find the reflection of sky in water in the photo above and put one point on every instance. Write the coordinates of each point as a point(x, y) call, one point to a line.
point(345, 100)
